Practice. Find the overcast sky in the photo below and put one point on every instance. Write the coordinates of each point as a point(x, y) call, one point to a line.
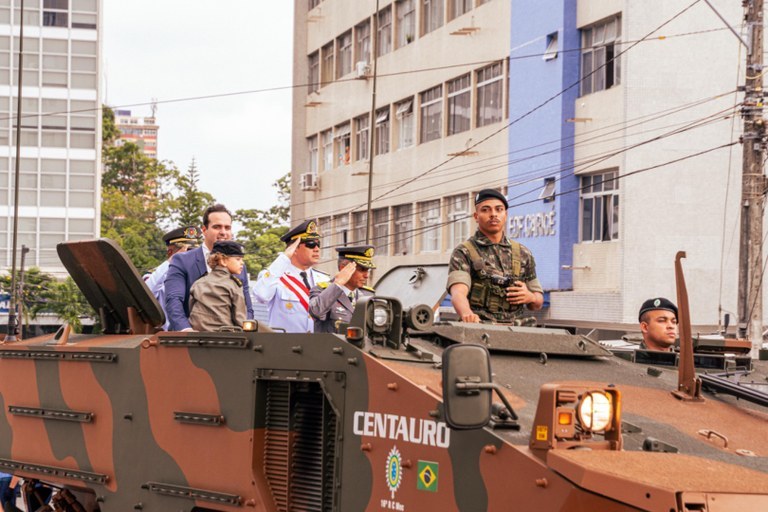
point(174, 49)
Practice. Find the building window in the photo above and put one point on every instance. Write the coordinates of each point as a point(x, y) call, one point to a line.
point(341, 230)
point(489, 94)
point(599, 70)
point(55, 13)
point(406, 22)
point(344, 48)
point(359, 226)
point(458, 219)
point(381, 231)
point(324, 227)
point(403, 229)
point(362, 143)
point(429, 225)
point(458, 7)
point(326, 139)
point(312, 154)
point(459, 111)
point(431, 15)
point(384, 32)
point(313, 76)
point(550, 53)
point(363, 42)
point(600, 207)
point(382, 131)
point(405, 122)
point(431, 114)
point(342, 145)
point(313, 4)
point(326, 73)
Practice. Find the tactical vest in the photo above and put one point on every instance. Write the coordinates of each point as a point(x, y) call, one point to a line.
point(488, 297)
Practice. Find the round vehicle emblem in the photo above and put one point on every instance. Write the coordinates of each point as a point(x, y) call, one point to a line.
point(394, 470)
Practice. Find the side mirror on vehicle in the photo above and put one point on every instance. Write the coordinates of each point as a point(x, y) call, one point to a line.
point(468, 389)
point(466, 407)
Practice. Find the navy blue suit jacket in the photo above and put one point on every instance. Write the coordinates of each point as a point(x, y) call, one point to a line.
point(186, 268)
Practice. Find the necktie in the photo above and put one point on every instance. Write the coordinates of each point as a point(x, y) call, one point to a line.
point(304, 278)
point(352, 298)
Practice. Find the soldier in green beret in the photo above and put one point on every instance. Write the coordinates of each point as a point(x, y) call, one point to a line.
point(493, 278)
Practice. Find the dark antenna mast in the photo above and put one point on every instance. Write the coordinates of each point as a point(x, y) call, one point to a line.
point(12, 320)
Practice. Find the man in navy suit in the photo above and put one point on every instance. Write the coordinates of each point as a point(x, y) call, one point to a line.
point(189, 266)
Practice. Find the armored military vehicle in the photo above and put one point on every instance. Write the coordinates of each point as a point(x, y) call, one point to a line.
point(371, 419)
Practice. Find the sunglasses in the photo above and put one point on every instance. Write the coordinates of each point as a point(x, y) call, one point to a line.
point(311, 244)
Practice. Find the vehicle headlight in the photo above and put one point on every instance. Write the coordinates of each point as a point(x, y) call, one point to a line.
point(595, 411)
point(380, 317)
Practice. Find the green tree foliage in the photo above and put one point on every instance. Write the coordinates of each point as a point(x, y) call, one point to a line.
point(190, 201)
point(136, 199)
point(42, 293)
point(37, 291)
point(262, 229)
point(109, 132)
point(69, 304)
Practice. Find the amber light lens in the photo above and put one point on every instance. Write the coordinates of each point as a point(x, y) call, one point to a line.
point(354, 333)
point(250, 325)
point(565, 418)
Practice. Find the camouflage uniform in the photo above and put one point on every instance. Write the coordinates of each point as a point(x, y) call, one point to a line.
point(216, 300)
point(487, 298)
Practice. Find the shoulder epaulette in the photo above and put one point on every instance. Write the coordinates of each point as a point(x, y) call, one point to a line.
point(323, 284)
point(237, 280)
point(369, 289)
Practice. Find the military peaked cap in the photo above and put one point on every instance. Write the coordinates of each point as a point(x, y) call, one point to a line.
point(189, 235)
point(657, 303)
point(307, 230)
point(362, 255)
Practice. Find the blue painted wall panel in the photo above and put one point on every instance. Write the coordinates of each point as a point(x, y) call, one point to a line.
point(542, 97)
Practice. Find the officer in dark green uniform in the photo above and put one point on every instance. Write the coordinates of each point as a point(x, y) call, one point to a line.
point(492, 278)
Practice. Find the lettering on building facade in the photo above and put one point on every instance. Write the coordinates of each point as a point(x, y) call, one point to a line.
point(532, 225)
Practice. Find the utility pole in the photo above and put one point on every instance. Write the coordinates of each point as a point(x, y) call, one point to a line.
point(753, 188)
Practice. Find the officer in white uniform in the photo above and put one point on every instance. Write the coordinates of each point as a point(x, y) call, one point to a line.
point(178, 240)
point(284, 286)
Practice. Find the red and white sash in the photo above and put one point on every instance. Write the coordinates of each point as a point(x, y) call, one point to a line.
point(297, 288)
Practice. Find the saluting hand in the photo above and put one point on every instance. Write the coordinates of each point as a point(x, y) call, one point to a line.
point(519, 293)
point(345, 274)
point(291, 249)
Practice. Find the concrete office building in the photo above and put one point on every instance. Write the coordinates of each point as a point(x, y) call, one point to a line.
point(141, 131)
point(61, 126)
point(596, 192)
point(442, 87)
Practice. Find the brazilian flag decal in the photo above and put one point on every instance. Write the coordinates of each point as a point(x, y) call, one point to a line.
point(427, 476)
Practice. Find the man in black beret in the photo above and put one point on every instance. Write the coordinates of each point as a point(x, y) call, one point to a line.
point(658, 323)
point(493, 278)
point(284, 286)
point(176, 241)
point(332, 303)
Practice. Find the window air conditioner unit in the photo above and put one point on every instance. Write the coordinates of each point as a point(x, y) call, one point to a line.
point(362, 69)
point(309, 181)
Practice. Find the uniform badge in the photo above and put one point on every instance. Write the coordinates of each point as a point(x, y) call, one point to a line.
point(369, 253)
point(288, 305)
point(394, 470)
point(312, 227)
point(267, 274)
point(657, 302)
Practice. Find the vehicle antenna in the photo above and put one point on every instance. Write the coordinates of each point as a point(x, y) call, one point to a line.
point(12, 320)
point(372, 123)
point(688, 384)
